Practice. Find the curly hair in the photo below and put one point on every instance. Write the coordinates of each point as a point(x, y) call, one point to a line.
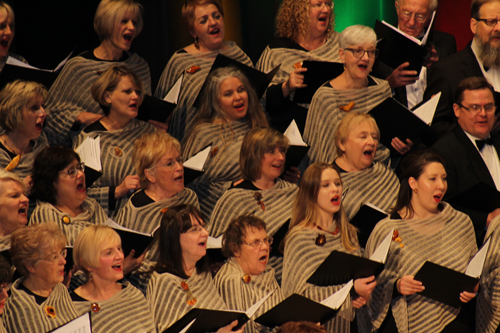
point(293, 19)
point(236, 232)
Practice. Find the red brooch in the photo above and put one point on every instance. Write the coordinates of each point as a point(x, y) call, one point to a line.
point(397, 238)
point(191, 299)
point(164, 210)
point(50, 311)
point(321, 239)
point(214, 152)
point(193, 69)
point(258, 197)
point(95, 307)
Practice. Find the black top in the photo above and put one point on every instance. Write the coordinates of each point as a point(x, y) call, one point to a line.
point(11, 154)
point(38, 299)
point(286, 43)
point(246, 185)
point(97, 126)
point(90, 55)
point(141, 199)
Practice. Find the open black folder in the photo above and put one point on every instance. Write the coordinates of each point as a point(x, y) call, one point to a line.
point(131, 239)
point(299, 308)
point(297, 149)
point(194, 166)
point(480, 196)
point(278, 238)
point(318, 72)
point(445, 285)
point(340, 267)
point(365, 220)
point(258, 79)
point(153, 108)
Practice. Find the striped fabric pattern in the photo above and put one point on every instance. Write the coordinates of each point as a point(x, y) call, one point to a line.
point(70, 93)
point(22, 314)
point(239, 295)
point(92, 214)
point(377, 185)
point(220, 168)
point(302, 258)
point(25, 166)
point(168, 301)
point(324, 116)
point(488, 300)
point(115, 166)
point(5, 243)
point(126, 311)
point(272, 57)
point(183, 115)
point(446, 239)
point(146, 219)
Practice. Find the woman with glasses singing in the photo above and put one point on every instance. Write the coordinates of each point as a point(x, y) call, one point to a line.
point(158, 163)
point(181, 279)
point(352, 91)
point(246, 277)
point(119, 92)
point(38, 301)
point(59, 187)
point(304, 30)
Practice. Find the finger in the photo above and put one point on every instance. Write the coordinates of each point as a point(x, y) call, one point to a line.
point(403, 66)
point(300, 70)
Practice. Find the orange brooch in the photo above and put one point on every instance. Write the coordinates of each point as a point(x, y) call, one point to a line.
point(214, 152)
point(347, 107)
point(164, 210)
point(95, 307)
point(298, 65)
point(191, 299)
point(258, 197)
point(397, 238)
point(66, 219)
point(193, 69)
point(50, 311)
point(246, 278)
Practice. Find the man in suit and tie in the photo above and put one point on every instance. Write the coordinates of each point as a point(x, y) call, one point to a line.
point(470, 152)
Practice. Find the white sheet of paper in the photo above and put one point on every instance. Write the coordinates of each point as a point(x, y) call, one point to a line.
point(90, 152)
point(197, 162)
point(214, 243)
point(173, 94)
point(426, 36)
point(184, 330)
point(426, 111)
point(15, 62)
point(112, 224)
point(374, 207)
point(475, 267)
point(402, 33)
point(79, 325)
point(293, 134)
point(251, 310)
point(336, 300)
point(380, 254)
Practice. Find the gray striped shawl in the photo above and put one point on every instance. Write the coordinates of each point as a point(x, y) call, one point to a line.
point(488, 300)
point(5, 243)
point(377, 185)
point(25, 166)
point(168, 301)
point(22, 314)
point(92, 214)
point(222, 167)
point(126, 311)
point(446, 239)
point(146, 219)
point(239, 295)
point(184, 114)
point(114, 168)
point(2, 327)
point(302, 258)
point(324, 116)
point(70, 93)
point(272, 57)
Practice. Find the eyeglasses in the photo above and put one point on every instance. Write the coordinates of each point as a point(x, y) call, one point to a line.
point(406, 15)
point(475, 109)
point(257, 244)
point(319, 5)
point(196, 229)
point(489, 23)
point(73, 171)
point(56, 257)
point(359, 53)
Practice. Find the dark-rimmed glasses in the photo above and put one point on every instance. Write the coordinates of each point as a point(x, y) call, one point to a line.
point(359, 53)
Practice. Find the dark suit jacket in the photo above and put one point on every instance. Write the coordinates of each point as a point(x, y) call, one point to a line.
point(445, 76)
point(445, 45)
point(465, 168)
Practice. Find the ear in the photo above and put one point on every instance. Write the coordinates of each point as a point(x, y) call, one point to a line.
point(191, 32)
point(396, 4)
point(107, 97)
point(413, 183)
point(342, 55)
point(456, 109)
point(31, 269)
point(341, 146)
point(236, 250)
point(473, 25)
point(151, 176)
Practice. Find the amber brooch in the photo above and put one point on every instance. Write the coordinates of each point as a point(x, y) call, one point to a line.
point(258, 197)
point(347, 107)
point(191, 299)
point(193, 69)
point(246, 278)
point(95, 307)
point(397, 238)
point(50, 311)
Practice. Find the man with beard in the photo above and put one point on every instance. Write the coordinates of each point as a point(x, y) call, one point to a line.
point(479, 58)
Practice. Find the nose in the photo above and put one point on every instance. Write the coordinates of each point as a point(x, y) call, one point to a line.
point(211, 21)
point(63, 260)
point(24, 198)
point(265, 246)
point(130, 25)
point(365, 56)
point(42, 111)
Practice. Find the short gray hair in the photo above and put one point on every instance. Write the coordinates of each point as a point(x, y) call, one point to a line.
point(433, 4)
point(357, 34)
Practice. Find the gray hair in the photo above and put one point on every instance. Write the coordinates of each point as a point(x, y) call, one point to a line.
point(433, 4)
point(357, 34)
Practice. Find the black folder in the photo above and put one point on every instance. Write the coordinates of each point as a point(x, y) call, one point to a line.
point(278, 238)
point(340, 267)
point(295, 155)
point(11, 73)
point(134, 241)
point(480, 196)
point(318, 72)
point(365, 220)
point(191, 174)
point(91, 176)
point(258, 79)
point(296, 308)
point(69, 259)
point(207, 320)
point(395, 120)
point(444, 284)
point(396, 49)
point(153, 108)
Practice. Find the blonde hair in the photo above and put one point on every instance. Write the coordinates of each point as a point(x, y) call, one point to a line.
point(6, 176)
point(89, 244)
point(149, 149)
point(305, 211)
point(4, 7)
point(292, 20)
point(110, 12)
point(347, 124)
point(28, 244)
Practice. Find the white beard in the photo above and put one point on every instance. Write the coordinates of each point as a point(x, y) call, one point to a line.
point(490, 55)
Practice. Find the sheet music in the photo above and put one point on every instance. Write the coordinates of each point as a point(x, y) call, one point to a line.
point(380, 254)
point(374, 207)
point(336, 300)
point(426, 111)
point(15, 62)
point(90, 152)
point(293, 134)
point(78, 325)
point(214, 243)
point(188, 326)
point(402, 33)
point(426, 36)
point(173, 94)
point(197, 162)
point(251, 310)
point(475, 267)
point(112, 224)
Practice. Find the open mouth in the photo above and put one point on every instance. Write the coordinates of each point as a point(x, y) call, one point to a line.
point(263, 259)
point(368, 153)
point(363, 67)
point(128, 37)
point(23, 211)
point(239, 106)
point(4, 43)
point(80, 187)
point(179, 179)
point(117, 267)
point(214, 31)
point(277, 166)
point(322, 19)
point(438, 197)
point(39, 125)
point(336, 200)
point(133, 106)
point(202, 244)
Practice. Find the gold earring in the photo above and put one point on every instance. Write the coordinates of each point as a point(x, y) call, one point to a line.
point(415, 190)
